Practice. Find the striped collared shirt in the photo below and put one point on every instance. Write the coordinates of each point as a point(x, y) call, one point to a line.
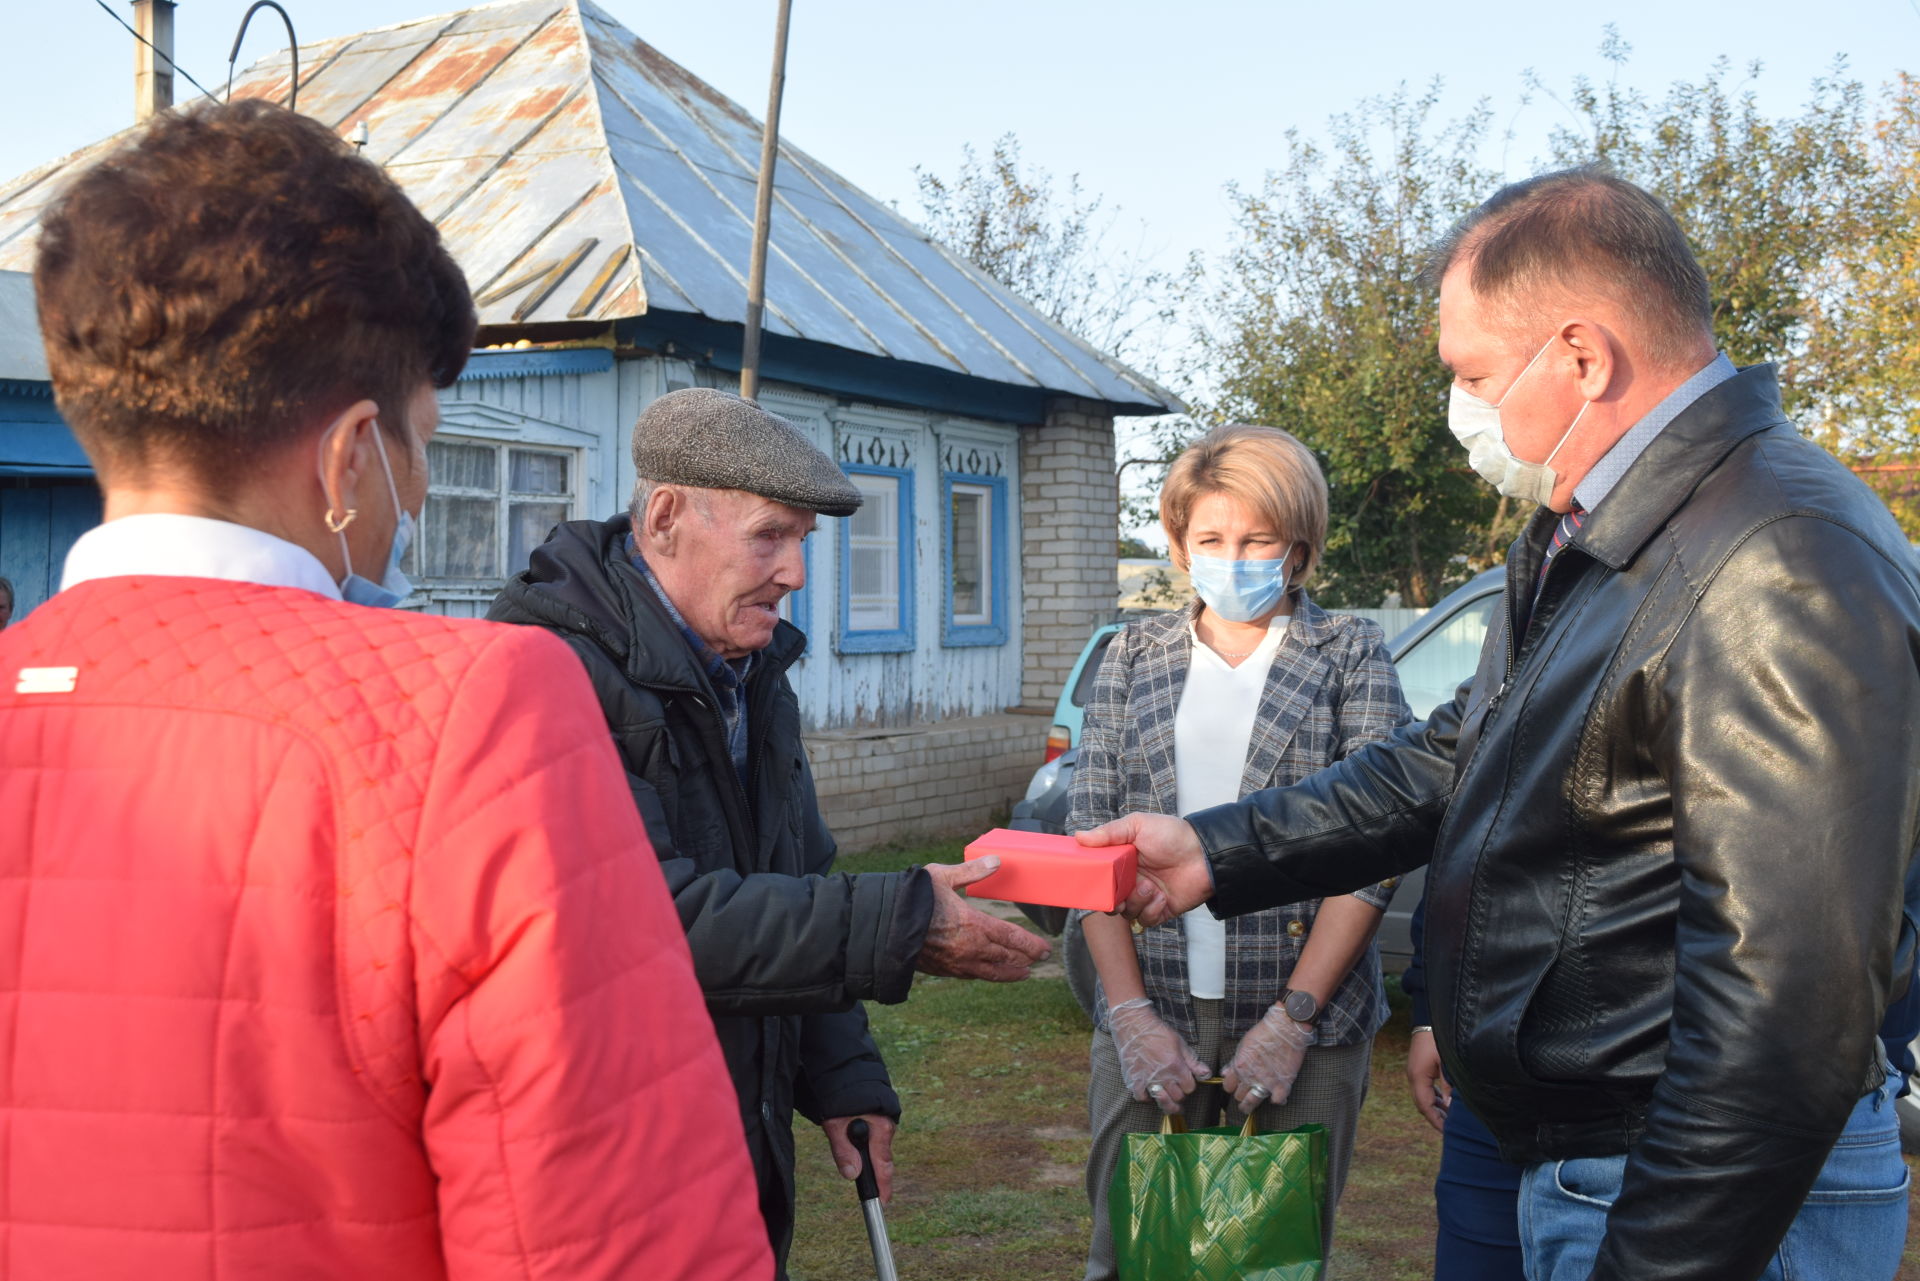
point(1606, 473)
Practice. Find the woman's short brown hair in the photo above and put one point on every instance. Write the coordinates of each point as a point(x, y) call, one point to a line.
point(1267, 469)
point(233, 277)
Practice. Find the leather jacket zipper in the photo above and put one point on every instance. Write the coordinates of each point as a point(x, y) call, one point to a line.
point(1506, 681)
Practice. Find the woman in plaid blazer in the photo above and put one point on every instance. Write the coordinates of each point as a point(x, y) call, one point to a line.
point(1250, 686)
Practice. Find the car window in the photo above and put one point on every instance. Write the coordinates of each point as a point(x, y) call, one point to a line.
point(1083, 688)
point(1431, 671)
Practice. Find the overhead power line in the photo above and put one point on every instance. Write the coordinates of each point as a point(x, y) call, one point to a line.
point(105, 8)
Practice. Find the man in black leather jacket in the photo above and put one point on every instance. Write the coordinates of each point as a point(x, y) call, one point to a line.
point(1670, 822)
point(673, 611)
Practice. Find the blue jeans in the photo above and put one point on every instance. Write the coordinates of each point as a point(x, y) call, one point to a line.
point(1852, 1226)
point(1475, 1200)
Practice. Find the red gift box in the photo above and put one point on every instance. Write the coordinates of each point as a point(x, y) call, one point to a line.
point(1054, 871)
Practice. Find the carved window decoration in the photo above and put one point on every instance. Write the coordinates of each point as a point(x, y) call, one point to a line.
point(972, 459)
point(875, 449)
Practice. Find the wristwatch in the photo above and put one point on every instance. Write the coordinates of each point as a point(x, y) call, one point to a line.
point(1301, 1007)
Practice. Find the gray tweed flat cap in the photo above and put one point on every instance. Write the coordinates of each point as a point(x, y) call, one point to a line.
point(715, 440)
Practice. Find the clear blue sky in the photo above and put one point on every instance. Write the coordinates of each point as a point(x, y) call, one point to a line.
point(1155, 105)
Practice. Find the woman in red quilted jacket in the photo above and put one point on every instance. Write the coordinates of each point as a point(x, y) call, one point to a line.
point(330, 942)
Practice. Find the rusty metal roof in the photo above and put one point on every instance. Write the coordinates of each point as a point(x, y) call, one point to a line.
point(578, 174)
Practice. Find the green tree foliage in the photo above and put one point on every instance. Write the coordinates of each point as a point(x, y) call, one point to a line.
point(1805, 224)
point(1319, 325)
point(1774, 207)
point(1051, 245)
point(1808, 227)
point(1870, 341)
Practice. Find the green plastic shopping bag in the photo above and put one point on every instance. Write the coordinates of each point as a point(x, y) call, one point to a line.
point(1220, 1204)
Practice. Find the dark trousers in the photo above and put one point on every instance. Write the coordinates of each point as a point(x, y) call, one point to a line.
point(1476, 1199)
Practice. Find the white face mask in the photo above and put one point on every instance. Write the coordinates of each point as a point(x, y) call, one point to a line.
point(1476, 424)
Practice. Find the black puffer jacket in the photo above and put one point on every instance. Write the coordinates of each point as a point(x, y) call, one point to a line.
point(783, 948)
point(1670, 829)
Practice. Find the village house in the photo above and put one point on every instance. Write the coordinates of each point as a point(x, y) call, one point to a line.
point(600, 198)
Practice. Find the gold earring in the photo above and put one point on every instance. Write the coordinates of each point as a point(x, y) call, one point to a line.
point(346, 520)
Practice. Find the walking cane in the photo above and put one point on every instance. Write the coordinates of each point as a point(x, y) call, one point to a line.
point(869, 1189)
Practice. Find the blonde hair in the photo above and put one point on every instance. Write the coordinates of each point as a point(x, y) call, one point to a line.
point(1267, 469)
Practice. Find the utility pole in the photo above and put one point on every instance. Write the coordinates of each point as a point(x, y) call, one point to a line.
point(152, 57)
point(763, 214)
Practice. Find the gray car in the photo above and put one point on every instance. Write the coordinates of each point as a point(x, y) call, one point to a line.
point(1433, 656)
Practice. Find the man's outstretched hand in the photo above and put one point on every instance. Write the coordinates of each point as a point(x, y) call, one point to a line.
point(1174, 876)
point(965, 943)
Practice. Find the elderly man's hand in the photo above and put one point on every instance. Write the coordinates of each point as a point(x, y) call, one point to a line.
point(879, 1149)
point(1174, 876)
point(965, 943)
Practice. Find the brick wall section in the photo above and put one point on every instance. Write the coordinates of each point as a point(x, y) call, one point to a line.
point(1069, 520)
point(946, 778)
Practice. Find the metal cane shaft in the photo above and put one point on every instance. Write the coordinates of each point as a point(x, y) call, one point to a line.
point(877, 1234)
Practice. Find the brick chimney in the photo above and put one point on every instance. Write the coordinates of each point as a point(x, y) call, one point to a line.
point(152, 73)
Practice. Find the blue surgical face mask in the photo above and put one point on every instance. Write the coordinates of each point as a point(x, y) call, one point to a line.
point(1239, 590)
point(393, 586)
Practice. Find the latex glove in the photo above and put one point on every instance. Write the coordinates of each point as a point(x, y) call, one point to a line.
point(1268, 1055)
point(1432, 1095)
point(879, 1147)
point(1153, 1054)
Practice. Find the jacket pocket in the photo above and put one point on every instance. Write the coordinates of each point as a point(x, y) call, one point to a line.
point(1591, 1180)
point(1556, 1026)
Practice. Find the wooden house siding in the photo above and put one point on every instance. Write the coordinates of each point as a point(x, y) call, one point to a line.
point(938, 673)
point(840, 688)
point(39, 522)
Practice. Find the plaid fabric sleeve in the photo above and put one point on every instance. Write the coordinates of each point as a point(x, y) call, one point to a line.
point(1371, 706)
point(1098, 785)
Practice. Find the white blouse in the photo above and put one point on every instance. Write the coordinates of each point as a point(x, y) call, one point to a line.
point(1211, 733)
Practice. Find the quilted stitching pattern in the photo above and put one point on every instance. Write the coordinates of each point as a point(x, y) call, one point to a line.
point(267, 872)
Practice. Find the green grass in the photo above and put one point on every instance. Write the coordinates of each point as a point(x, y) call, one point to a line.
point(894, 858)
point(991, 1078)
point(994, 1140)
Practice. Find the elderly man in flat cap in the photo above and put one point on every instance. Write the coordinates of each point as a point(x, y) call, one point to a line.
point(674, 609)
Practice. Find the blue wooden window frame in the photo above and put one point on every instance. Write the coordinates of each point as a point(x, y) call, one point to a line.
point(994, 631)
point(893, 640)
